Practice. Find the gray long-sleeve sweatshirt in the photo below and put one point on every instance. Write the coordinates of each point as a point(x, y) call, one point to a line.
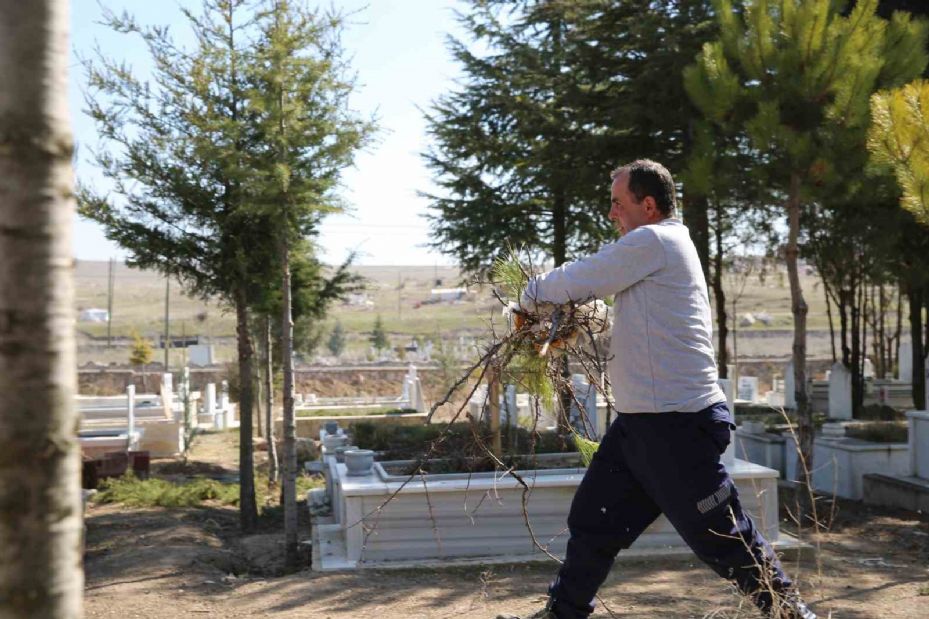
point(662, 350)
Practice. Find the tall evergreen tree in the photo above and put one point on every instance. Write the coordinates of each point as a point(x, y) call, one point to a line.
point(175, 155)
point(629, 63)
point(795, 77)
point(336, 342)
point(307, 136)
point(513, 154)
point(914, 250)
point(40, 501)
point(559, 94)
point(899, 141)
point(378, 336)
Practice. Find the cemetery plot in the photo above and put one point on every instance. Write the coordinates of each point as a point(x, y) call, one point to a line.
point(370, 517)
point(159, 424)
point(880, 462)
point(312, 412)
point(194, 561)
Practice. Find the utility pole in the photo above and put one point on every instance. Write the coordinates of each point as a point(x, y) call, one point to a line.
point(399, 292)
point(167, 340)
point(109, 302)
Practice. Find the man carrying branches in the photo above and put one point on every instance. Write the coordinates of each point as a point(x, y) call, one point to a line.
point(662, 453)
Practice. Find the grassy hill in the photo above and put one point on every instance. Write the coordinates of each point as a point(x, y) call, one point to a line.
point(395, 293)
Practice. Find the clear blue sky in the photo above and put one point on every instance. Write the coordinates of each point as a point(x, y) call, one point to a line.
point(402, 63)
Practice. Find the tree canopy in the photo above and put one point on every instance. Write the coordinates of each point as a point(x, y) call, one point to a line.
point(556, 95)
point(899, 139)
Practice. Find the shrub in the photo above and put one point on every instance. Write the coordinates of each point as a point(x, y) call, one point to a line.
point(135, 492)
point(879, 432)
point(463, 440)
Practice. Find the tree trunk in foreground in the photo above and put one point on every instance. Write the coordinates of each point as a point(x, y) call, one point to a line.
point(799, 310)
point(291, 554)
point(248, 510)
point(273, 465)
point(40, 498)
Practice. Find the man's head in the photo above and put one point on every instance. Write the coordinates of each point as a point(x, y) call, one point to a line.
point(642, 193)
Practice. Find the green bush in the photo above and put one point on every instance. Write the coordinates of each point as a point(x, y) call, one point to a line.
point(463, 440)
point(879, 432)
point(135, 492)
point(880, 412)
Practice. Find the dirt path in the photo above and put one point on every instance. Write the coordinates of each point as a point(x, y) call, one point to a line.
point(155, 563)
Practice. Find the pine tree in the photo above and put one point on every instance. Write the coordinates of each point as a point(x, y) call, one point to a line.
point(175, 152)
point(636, 99)
point(899, 139)
point(378, 336)
point(314, 289)
point(795, 78)
point(140, 354)
point(511, 154)
point(305, 135)
point(560, 94)
point(336, 343)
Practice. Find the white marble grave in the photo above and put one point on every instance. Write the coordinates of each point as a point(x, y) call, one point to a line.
point(424, 523)
point(748, 388)
point(909, 490)
point(200, 354)
point(413, 391)
point(130, 422)
point(509, 409)
point(208, 417)
point(586, 394)
point(919, 442)
point(840, 392)
point(840, 463)
point(905, 365)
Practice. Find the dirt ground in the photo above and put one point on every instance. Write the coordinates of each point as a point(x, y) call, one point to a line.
point(192, 563)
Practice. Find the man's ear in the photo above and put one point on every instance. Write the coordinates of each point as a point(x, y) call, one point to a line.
point(650, 204)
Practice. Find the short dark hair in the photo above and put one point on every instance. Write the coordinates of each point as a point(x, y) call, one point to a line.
point(650, 178)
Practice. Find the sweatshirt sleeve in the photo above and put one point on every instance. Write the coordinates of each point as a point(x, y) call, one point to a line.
point(611, 270)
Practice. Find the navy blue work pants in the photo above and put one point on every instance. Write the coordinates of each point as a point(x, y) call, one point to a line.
point(654, 463)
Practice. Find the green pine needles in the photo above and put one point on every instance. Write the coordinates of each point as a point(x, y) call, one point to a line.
point(509, 276)
point(899, 139)
point(525, 362)
point(525, 367)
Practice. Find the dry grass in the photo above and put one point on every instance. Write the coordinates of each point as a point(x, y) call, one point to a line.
point(139, 303)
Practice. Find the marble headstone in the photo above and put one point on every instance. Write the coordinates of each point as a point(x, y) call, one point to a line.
point(840, 392)
point(790, 394)
point(509, 410)
point(209, 406)
point(200, 354)
point(748, 388)
point(905, 366)
point(586, 394)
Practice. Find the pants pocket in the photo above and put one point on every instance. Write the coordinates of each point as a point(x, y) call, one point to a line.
point(719, 432)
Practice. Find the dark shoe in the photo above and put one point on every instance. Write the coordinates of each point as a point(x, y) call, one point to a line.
point(542, 614)
point(790, 606)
